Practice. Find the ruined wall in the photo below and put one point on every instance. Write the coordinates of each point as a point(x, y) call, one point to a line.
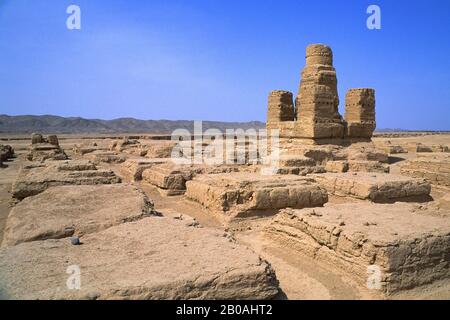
point(360, 113)
point(280, 113)
point(280, 108)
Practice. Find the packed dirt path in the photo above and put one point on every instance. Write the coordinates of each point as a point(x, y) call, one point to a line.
point(301, 278)
point(176, 205)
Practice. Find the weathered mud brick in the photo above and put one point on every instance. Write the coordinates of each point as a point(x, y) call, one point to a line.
point(367, 166)
point(133, 168)
point(336, 166)
point(43, 149)
point(406, 245)
point(171, 178)
point(241, 194)
point(435, 168)
point(100, 156)
point(34, 178)
point(360, 113)
point(377, 187)
point(280, 108)
point(315, 116)
point(317, 100)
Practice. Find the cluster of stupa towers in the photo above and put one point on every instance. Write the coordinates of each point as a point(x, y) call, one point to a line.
point(315, 114)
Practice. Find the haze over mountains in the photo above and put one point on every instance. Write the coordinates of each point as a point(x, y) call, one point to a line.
point(57, 124)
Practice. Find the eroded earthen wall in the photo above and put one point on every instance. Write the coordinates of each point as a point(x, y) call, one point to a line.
point(360, 113)
point(280, 107)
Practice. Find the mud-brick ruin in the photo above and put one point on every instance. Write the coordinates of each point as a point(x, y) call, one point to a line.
point(315, 115)
point(338, 207)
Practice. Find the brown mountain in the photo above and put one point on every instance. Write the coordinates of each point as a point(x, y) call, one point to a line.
point(56, 124)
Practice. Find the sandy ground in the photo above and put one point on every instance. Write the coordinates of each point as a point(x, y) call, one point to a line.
point(300, 277)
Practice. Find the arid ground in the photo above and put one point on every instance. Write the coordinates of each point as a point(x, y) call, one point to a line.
point(142, 164)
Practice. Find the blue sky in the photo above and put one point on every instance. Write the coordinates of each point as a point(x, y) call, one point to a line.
point(218, 59)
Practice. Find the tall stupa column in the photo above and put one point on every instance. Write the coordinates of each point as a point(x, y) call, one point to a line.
point(317, 100)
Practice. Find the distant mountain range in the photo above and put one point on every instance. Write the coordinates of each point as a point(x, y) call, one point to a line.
point(55, 124)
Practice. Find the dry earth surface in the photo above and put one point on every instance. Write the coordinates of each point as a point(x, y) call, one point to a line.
point(134, 224)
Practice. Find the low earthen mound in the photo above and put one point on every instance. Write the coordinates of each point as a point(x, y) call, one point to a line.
point(377, 187)
point(154, 258)
point(45, 151)
point(65, 211)
point(171, 178)
point(34, 178)
point(435, 168)
point(366, 153)
point(85, 148)
point(100, 156)
point(157, 149)
point(240, 194)
point(132, 169)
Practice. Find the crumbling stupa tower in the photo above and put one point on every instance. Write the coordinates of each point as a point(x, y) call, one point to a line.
point(317, 100)
point(315, 116)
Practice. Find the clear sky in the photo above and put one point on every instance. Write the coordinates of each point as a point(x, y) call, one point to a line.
point(218, 59)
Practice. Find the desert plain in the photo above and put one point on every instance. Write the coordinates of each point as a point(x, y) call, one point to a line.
point(277, 257)
point(345, 212)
